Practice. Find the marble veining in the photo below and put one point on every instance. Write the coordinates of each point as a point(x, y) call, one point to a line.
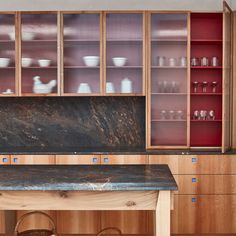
point(86, 178)
point(73, 123)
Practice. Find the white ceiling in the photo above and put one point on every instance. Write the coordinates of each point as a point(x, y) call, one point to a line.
point(44, 5)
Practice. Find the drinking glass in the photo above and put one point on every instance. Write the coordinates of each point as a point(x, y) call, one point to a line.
point(214, 85)
point(163, 115)
point(195, 85)
point(204, 86)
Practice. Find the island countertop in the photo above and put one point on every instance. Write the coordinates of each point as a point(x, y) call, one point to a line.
point(86, 178)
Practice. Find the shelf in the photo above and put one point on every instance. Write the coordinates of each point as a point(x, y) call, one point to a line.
point(204, 121)
point(206, 94)
point(168, 120)
point(40, 94)
point(81, 67)
point(124, 67)
point(206, 67)
point(124, 40)
point(7, 41)
point(38, 67)
point(40, 41)
point(206, 41)
point(169, 42)
point(82, 40)
point(169, 94)
point(169, 67)
point(8, 67)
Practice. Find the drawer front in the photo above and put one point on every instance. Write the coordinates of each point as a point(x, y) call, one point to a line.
point(206, 184)
point(32, 159)
point(78, 159)
point(123, 159)
point(204, 214)
point(5, 160)
point(170, 160)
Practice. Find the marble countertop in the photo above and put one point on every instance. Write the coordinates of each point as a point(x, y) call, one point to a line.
point(105, 151)
point(86, 178)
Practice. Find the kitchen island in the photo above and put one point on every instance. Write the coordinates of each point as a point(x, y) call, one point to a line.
point(125, 187)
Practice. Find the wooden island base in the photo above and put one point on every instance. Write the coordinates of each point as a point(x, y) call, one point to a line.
point(157, 201)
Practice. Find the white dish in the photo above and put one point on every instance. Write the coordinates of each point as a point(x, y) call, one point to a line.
point(84, 88)
point(8, 91)
point(12, 35)
point(44, 62)
point(27, 36)
point(110, 87)
point(4, 62)
point(119, 61)
point(26, 62)
point(91, 61)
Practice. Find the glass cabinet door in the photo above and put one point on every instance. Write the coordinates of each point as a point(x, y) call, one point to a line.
point(81, 33)
point(124, 53)
point(8, 83)
point(39, 54)
point(168, 86)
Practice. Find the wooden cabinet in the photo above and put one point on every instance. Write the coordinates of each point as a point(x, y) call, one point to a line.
point(5, 160)
point(32, 159)
point(78, 159)
point(204, 214)
point(78, 222)
point(130, 222)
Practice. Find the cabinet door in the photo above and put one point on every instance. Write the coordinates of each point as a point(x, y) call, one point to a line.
point(78, 159)
point(8, 55)
point(32, 159)
point(2, 222)
point(82, 57)
point(204, 214)
point(129, 222)
point(5, 160)
point(168, 89)
point(34, 221)
point(39, 54)
point(227, 77)
point(124, 53)
point(78, 222)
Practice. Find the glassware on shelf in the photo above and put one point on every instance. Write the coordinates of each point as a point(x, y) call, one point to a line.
point(179, 115)
point(183, 61)
point(110, 87)
point(174, 87)
point(165, 87)
point(195, 86)
point(215, 61)
point(214, 86)
point(204, 61)
point(171, 115)
point(126, 86)
point(196, 115)
point(163, 115)
point(172, 62)
point(160, 87)
point(161, 61)
point(204, 86)
point(194, 61)
point(203, 114)
point(211, 115)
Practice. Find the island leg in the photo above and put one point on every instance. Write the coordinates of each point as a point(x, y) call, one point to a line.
point(10, 222)
point(162, 214)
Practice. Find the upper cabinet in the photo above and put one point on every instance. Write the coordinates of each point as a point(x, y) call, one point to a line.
point(81, 55)
point(38, 54)
point(8, 55)
point(124, 53)
point(168, 80)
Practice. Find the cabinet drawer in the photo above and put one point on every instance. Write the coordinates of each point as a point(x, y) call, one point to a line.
point(78, 159)
point(208, 214)
point(5, 160)
point(124, 159)
point(32, 159)
point(170, 160)
point(206, 184)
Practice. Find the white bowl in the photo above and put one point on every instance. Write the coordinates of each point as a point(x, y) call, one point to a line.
point(44, 62)
point(84, 88)
point(119, 61)
point(12, 35)
point(91, 60)
point(4, 62)
point(27, 36)
point(26, 62)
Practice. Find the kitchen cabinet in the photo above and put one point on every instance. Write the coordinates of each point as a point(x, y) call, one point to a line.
point(129, 222)
point(82, 54)
point(124, 53)
point(78, 222)
point(38, 54)
point(34, 221)
point(8, 55)
point(5, 160)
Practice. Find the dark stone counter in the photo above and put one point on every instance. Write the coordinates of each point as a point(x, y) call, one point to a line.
point(88, 177)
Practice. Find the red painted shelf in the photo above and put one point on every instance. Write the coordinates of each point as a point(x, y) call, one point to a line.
point(169, 94)
point(204, 121)
point(206, 94)
point(206, 41)
point(206, 67)
point(158, 120)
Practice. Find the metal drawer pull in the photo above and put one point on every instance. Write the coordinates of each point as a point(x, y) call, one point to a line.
point(4, 159)
point(15, 160)
point(194, 199)
point(194, 180)
point(106, 159)
point(194, 160)
point(95, 159)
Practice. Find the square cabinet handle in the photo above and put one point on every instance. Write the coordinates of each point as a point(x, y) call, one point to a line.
point(95, 159)
point(106, 159)
point(194, 199)
point(194, 160)
point(5, 159)
point(15, 159)
point(194, 180)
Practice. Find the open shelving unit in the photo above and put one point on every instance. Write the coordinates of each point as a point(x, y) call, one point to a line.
point(206, 42)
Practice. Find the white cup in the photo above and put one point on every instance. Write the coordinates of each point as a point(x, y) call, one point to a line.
point(84, 88)
point(110, 87)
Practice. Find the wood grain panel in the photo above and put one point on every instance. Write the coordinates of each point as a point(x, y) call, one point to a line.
point(5, 160)
point(2, 222)
point(124, 159)
point(78, 159)
point(32, 159)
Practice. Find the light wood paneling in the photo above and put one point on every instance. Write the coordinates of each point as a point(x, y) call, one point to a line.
point(124, 159)
point(32, 159)
point(78, 159)
point(5, 160)
point(2, 222)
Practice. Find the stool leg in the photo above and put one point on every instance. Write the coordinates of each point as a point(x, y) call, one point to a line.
point(10, 222)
